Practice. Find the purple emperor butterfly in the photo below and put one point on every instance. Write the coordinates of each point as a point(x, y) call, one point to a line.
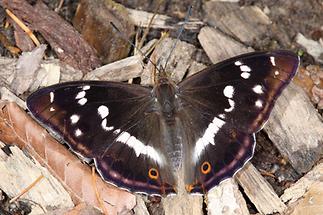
point(139, 137)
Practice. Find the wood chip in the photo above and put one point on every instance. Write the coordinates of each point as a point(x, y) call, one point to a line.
point(108, 43)
point(142, 19)
point(226, 199)
point(26, 67)
point(21, 171)
point(245, 23)
point(212, 41)
point(296, 129)
point(178, 64)
point(297, 190)
point(314, 48)
point(259, 191)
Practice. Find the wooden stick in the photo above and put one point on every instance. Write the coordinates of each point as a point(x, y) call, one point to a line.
point(23, 27)
point(27, 189)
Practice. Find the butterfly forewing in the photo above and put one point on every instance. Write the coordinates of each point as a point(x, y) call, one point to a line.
point(230, 101)
point(113, 123)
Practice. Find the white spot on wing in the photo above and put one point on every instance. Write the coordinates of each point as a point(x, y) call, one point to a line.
point(276, 72)
point(258, 89)
point(105, 127)
point(86, 87)
point(78, 132)
point(80, 95)
point(51, 109)
point(208, 137)
point(272, 60)
point(245, 75)
point(231, 103)
point(123, 137)
point(74, 118)
point(222, 116)
point(238, 63)
point(245, 68)
point(82, 101)
point(228, 91)
point(139, 147)
point(51, 95)
point(258, 103)
point(117, 131)
point(103, 111)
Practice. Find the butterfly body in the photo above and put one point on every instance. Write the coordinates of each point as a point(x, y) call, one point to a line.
point(140, 138)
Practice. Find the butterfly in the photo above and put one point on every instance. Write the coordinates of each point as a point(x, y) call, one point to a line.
point(141, 137)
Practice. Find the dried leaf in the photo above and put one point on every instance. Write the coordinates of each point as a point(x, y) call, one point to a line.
point(16, 127)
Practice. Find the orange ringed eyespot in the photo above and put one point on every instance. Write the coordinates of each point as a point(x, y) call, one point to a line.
point(153, 173)
point(205, 167)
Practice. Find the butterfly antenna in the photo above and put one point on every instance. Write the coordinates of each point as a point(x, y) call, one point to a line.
point(179, 33)
point(133, 45)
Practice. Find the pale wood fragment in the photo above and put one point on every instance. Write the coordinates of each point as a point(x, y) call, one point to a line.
point(212, 41)
point(7, 95)
point(27, 65)
point(140, 208)
point(17, 171)
point(121, 70)
point(244, 23)
point(259, 191)
point(226, 199)
point(297, 190)
point(296, 129)
point(179, 62)
point(142, 19)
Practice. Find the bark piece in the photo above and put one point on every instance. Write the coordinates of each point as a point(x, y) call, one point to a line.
point(48, 73)
point(108, 43)
point(142, 19)
point(121, 70)
point(68, 44)
point(259, 191)
point(245, 23)
point(178, 64)
point(27, 65)
point(18, 128)
point(311, 203)
point(18, 171)
point(296, 129)
point(226, 199)
point(297, 190)
point(23, 41)
point(314, 48)
point(212, 41)
point(7, 95)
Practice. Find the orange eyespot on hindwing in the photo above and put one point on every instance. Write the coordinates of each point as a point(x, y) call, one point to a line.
point(205, 167)
point(153, 173)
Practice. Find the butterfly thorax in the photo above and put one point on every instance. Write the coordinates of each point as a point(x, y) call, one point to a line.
point(165, 94)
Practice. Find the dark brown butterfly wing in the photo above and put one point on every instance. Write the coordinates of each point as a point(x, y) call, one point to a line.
point(112, 123)
point(223, 106)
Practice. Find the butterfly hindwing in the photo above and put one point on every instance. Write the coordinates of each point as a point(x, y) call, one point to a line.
point(225, 104)
point(112, 123)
